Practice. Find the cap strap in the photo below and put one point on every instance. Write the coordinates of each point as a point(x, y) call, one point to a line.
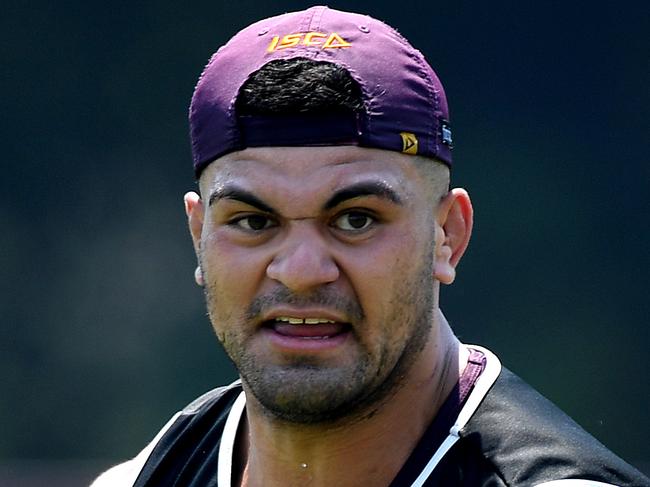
point(268, 130)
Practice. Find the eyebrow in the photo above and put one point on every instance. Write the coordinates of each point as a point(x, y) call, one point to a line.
point(232, 192)
point(379, 189)
point(369, 188)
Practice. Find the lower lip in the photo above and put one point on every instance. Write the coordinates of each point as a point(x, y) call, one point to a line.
point(299, 343)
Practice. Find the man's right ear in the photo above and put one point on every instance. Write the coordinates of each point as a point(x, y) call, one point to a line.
point(194, 212)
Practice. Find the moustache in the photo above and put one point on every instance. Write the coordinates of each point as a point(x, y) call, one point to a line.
point(326, 298)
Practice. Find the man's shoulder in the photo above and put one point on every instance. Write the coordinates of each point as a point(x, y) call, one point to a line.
point(529, 440)
point(126, 473)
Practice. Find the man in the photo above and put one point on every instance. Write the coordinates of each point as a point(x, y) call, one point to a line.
point(323, 229)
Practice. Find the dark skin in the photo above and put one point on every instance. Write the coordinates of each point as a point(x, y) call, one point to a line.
point(361, 225)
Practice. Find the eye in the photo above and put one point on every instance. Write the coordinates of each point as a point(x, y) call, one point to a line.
point(253, 223)
point(353, 221)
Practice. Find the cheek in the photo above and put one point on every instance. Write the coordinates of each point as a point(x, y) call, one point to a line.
point(381, 275)
point(387, 259)
point(232, 273)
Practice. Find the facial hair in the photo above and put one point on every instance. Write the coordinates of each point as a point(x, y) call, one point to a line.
point(304, 391)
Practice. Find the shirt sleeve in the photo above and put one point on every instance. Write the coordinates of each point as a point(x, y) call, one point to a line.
point(125, 474)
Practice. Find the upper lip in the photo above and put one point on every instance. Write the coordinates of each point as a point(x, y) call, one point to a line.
point(303, 313)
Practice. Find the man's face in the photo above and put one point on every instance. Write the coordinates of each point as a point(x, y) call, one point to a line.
point(318, 273)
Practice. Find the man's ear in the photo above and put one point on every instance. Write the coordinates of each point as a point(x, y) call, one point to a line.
point(194, 212)
point(454, 221)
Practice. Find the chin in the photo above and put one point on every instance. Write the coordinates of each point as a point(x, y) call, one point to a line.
point(308, 394)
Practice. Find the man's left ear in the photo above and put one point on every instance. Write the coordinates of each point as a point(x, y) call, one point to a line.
point(454, 221)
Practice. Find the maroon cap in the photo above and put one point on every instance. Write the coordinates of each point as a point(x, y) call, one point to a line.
point(405, 108)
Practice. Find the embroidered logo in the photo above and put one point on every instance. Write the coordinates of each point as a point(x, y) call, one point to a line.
point(409, 143)
point(315, 39)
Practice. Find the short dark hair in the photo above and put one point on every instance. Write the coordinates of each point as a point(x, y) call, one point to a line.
point(299, 86)
point(286, 87)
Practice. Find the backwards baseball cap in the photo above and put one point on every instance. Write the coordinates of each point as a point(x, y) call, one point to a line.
point(405, 108)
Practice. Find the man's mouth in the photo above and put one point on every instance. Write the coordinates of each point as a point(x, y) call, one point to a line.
point(308, 328)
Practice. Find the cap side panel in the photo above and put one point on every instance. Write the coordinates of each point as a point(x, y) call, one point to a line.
point(431, 146)
point(434, 146)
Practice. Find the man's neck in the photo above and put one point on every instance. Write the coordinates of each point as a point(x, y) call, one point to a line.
point(373, 448)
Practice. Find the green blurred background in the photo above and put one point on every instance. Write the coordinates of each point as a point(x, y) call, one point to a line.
point(104, 334)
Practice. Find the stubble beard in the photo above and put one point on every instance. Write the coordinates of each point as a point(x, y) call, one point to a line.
point(305, 392)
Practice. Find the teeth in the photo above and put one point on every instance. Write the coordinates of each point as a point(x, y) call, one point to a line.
point(300, 321)
point(312, 321)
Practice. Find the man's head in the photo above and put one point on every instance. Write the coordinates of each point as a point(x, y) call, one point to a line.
point(404, 104)
point(320, 243)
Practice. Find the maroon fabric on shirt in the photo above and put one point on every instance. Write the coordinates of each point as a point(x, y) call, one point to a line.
point(475, 366)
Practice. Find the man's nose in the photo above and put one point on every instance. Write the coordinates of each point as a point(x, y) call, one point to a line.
point(303, 261)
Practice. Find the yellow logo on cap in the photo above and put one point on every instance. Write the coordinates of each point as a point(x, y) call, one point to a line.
point(325, 41)
point(409, 143)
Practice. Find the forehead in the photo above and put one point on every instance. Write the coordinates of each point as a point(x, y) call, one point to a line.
point(311, 170)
